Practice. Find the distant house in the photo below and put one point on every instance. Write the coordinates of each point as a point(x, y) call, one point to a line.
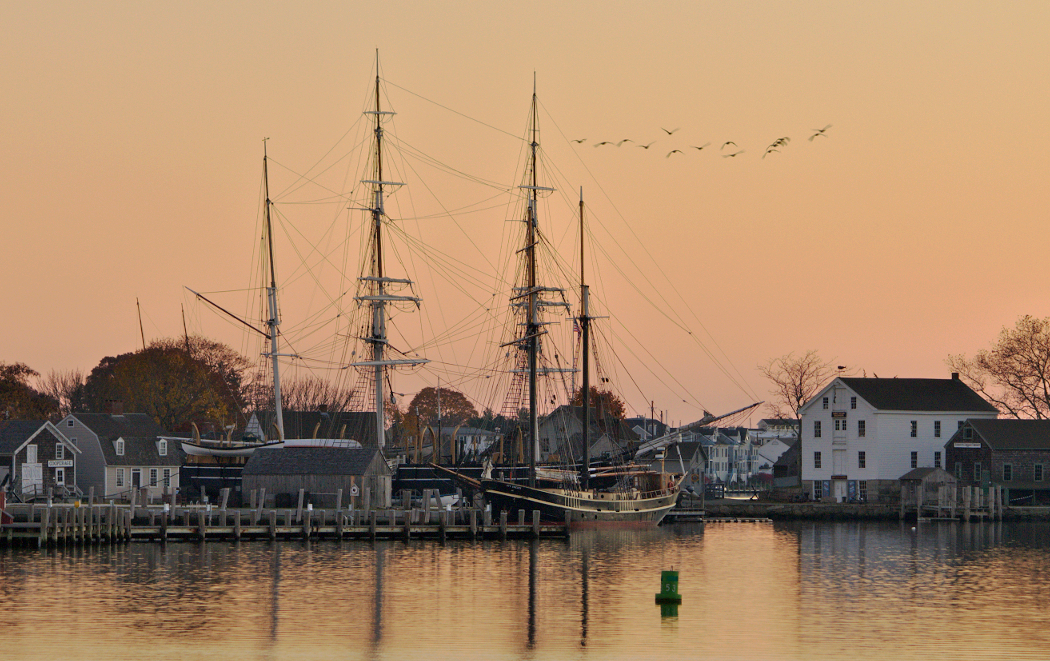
point(786, 469)
point(782, 429)
point(361, 473)
point(561, 435)
point(121, 452)
point(861, 435)
point(35, 458)
point(927, 486)
point(646, 428)
point(766, 455)
point(685, 458)
point(1014, 454)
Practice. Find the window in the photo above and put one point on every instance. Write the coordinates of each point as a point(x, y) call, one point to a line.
point(73, 440)
point(976, 471)
point(167, 477)
point(958, 470)
point(31, 454)
point(862, 460)
point(853, 402)
point(862, 490)
point(1008, 472)
point(120, 477)
point(914, 459)
point(60, 476)
point(825, 402)
point(861, 428)
point(162, 447)
point(816, 429)
point(60, 451)
point(840, 425)
point(69, 423)
point(1037, 473)
point(153, 477)
point(120, 447)
point(914, 430)
point(968, 432)
point(937, 428)
point(818, 491)
point(936, 459)
point(816, 460)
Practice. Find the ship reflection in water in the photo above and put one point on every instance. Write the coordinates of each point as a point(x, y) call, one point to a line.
point(750, 591)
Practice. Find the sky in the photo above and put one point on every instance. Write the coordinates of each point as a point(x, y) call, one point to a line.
point(914, 228)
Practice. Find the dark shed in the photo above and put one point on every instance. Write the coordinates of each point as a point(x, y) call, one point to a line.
point(361, 473)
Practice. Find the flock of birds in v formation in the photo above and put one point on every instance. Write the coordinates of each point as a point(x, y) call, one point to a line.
point(773, 148)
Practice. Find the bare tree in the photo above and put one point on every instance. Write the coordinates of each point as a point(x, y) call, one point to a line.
point(66, 388)
point(313, 393)
point(1014, 374)
point(795, 379)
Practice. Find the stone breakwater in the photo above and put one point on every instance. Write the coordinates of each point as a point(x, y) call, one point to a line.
point(839, 511)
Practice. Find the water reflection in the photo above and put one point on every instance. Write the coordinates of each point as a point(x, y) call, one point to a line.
point(750, 591)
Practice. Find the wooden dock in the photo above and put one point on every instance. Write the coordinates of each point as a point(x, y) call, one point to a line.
point(61, 524)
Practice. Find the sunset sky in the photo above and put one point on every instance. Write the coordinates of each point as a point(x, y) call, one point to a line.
point(915, 228)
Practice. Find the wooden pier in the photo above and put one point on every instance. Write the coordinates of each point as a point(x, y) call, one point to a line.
point(54, 524)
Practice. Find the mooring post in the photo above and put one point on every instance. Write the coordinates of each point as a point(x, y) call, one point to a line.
point(372, 524)
point(91, 496)
point(262, 504)
point(273, 524)
point(299, 509)
point(307, 523)
point(237, 525)
point(503, 524)
point(473, 523)
point(521, 517)
point(338, 503)
point(201, 525)
point(45, 517)
point(442, 525)
point(536, 523)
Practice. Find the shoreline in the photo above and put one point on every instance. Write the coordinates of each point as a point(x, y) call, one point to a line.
point(730, 508)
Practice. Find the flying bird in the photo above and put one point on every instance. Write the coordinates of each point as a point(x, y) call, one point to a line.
point(733, 154)
point(580, 141)
point(671, 132)
point(673, 151)
point(699, 148)
point(769, 150)
point(819, 132)
point(623, 141)
point(604, 143)
point(648, 145)
point(727, 143)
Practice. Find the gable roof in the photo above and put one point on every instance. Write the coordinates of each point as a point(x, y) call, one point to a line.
point(111, 427)
point(918, 394)
point(923, 473)
point(310, 461)
point(359, 425)
point(1012, 434)
point(142, 451)
point(13, 433)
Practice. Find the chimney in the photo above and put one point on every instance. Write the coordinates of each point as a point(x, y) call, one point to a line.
point(955, 376)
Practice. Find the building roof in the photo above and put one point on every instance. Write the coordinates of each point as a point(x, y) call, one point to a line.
point(142, 451)
point(1012, 434)
point(922, 473)
point(129, 425)
point(918, 394)
point(356, 425)
point(310, 461)
point(14, 433)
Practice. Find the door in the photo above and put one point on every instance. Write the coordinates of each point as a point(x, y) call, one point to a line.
point(840, 491)
point(32, 478)
point(136, 478)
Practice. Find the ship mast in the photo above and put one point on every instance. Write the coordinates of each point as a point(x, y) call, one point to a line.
point(271, 298)
point(532, 327)
point(585, 388)
point(377, 283)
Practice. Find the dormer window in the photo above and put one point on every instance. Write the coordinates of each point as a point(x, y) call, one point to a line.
point(162, 447)
point(120, 447)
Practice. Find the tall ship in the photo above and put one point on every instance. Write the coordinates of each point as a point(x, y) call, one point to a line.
point(621, 495)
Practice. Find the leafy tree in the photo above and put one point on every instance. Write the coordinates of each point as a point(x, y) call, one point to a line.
point(456, 409)
point(1014, 374)
point(174, 381)
point(18, 399)
point(795, 379)
point(605, 404)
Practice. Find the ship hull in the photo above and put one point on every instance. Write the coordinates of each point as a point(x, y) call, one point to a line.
point(580, 510)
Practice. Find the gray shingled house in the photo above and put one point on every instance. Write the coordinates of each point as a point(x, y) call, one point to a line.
point(36, 457)
point(122, 451)
point(362, 474)
point(1014, 454)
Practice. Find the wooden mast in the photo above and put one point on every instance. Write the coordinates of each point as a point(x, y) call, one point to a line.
point(585, 389)
point(532, 327)
point(271, 297)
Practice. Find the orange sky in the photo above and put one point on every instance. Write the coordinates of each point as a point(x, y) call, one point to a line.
point(130, 160)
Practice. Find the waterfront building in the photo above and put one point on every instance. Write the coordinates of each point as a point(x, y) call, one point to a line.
point(561, 434)
point(35, 458)
point(362, 474)
point(860, 435)
point(1014, 454)
point(123, 451)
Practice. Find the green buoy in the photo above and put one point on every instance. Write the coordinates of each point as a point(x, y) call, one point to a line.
point(668, 593)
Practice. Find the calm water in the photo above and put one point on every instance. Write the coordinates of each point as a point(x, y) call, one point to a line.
point(750, 591)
